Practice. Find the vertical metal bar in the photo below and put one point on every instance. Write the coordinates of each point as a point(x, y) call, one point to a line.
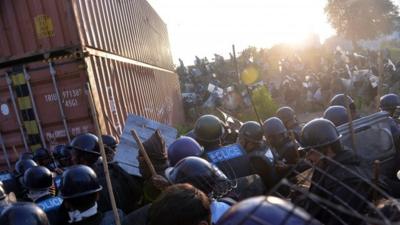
point(3, 147)
point(28, 82)
point(9, 83)
point(63, 117)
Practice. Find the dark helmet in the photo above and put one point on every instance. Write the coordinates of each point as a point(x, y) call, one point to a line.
point(251, 131)
point(337, 115)
point(22, 165)
point(58, 151)
point(86, 143)
point(26, 155)
point(197, 172)
point(286, 114)
point(265, 210)
point(340, 99)
point(273, 126)
point(38, 178)
point(79, 181)
point(208, 128)
point(389, 102)
point(182, 148)
point(109, 141)
point(41, 154)
point(23, 213)
point(2, 191)
point(318, 133)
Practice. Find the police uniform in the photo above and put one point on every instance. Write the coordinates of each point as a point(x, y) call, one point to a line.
point(263, 163)
point(232, 160)
point(50, 206)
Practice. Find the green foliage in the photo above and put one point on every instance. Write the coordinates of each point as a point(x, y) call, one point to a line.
point(361, 19)
point(183, 129)
point(265, 105)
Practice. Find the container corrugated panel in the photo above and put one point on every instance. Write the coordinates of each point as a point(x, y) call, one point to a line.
point(119, 88)
point(130, 28)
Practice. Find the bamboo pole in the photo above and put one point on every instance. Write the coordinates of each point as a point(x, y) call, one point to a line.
point(144, 153)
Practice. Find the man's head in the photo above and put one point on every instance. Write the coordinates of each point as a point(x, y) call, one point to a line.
point(288, 116)
point(42, 157)
point(181, 204)
point(337, 115)
point(320, 138)
point(275, 131)
point(80, 188)
point(250, 136)
point(389, 103)
point(208, 131)
point(345, 101)
point(85, 149)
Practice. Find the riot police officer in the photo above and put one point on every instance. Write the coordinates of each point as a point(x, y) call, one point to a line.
point(389, 103)
point(260, 158)
point(80, 192)
point(23, 213)
point(43, 158)
point(208, 132)
point(340, 99)
point(182, 148)
point(337, 115)
point(63, 155)
point(321, 140)
point(266, 210)
point(288, 116)
point(127, 188)
point(206, 177)
point(110, 144)
point(282, 145)
point(16, 184)
point(39, 181)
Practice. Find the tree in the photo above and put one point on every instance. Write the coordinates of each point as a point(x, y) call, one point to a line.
point(362, 19)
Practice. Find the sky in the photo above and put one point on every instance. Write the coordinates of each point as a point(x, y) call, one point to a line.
point(205, 27)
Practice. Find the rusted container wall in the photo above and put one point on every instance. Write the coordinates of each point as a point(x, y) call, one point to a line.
point(71, 76)
point(118, 87)
point(130, 28)
point(30, 27)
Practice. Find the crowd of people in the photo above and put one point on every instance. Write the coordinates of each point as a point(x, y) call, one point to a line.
point(275, 172)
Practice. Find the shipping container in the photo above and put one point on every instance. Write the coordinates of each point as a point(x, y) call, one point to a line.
point(129, 28)
point(45, 103)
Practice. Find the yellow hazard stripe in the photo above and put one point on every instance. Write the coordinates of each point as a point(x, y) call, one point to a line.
point(31, 127)
point(24, 103)
point(18, 79)
point(35, 147)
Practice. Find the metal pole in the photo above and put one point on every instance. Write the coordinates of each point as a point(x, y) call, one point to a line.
point(103, 155)
point(353, 137)
point(380, 80)
point(3, 147)
point(64, 118)
point(247, 87)
point(28, 83)
point(9, 83)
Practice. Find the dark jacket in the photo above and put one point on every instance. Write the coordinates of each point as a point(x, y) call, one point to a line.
point(51, 206)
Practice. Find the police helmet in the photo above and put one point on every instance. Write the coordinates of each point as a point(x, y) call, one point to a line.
point(209, 129)
point(389, 102)
point(182, 148)
point(251, 131)
point(337, 115)
point(38, 178)
point(2, 191)
point(23, 213)
point(286, 114)
point(79, 181)
point(274, 126)
point(87, 142)
point(318, 133)
point(58, 151)
point(197, 172)
point(266, 210)
point(22, 165)
point(41, 154)
point(340, 99)
point(109, 141)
